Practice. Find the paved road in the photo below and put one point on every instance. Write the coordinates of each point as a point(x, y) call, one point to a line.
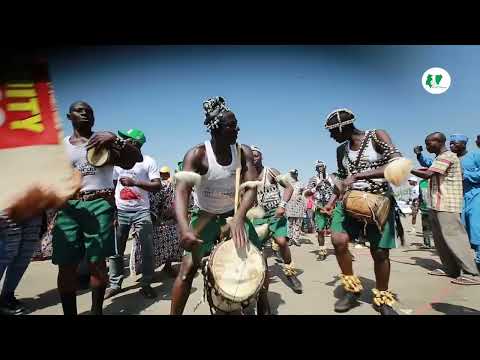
point(419, 293)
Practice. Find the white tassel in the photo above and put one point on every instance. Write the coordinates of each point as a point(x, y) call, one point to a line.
point(255, 213)
point(250, 185)
point(283, 180)
point(262, 231)
point(188, 177)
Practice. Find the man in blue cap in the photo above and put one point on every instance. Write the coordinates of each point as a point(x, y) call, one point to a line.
point(132, 188)
point(470, 161)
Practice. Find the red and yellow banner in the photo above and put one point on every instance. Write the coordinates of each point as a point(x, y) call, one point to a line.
point(27, 113)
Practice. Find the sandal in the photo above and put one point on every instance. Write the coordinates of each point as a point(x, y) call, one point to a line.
point(437, 272)
point(463, 280)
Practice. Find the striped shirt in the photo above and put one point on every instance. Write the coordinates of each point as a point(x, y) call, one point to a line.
point(446, 185)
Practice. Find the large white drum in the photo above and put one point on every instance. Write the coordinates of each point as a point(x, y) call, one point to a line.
point(234, 276)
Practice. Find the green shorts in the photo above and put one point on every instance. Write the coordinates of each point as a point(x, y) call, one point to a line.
point(211, 232)
point(321, 220)
point(83, 228)
point(278, 227)
point(343, 223)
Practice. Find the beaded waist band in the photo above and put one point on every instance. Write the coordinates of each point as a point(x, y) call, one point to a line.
point(89, 195)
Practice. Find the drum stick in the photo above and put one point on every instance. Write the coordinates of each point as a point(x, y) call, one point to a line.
point(237, 178)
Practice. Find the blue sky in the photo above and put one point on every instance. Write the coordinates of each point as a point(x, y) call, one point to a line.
point(280, 94)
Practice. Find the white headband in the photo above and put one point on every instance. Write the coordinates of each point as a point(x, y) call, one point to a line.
point(340, 123)
point(255, 148)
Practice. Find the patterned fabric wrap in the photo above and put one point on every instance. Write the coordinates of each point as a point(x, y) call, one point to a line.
point(296, 205)
point(45, 251)
point(166, 244)
point(294, 228)
point(214, 109)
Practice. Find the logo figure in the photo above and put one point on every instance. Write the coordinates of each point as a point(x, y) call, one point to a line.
point(436, 80)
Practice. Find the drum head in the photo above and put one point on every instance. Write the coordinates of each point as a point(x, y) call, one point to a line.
point(98, 157)
point(238, 274)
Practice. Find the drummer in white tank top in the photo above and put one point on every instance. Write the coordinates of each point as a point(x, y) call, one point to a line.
point(216, 162)
point(216, 192)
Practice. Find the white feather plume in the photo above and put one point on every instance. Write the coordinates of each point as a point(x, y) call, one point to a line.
point(255, 213)
point(188, 177)
point(250, 185)
point(262, 231)
point(283, 179)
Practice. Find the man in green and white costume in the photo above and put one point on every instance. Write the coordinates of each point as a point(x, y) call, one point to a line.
point(269, 198)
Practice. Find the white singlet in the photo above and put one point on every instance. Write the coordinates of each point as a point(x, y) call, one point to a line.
point(216, 192)
point(94, 178)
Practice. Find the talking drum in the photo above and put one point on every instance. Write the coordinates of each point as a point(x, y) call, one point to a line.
point(233, 277)
point(98, 156)
point(367, 207)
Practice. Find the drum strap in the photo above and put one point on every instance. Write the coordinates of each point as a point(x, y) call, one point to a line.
point(363, 146)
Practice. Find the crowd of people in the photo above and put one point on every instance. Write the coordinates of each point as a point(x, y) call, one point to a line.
point(131, 197)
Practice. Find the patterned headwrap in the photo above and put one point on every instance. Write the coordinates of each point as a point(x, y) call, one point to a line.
point(214, 108)
point(459, 137)
point(255, 148)
point(320, 163)
point(339, 124)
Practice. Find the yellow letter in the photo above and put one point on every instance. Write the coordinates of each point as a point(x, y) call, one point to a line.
point(21, 93)
point(20, 85)
point(31, 105)
point(33, 123)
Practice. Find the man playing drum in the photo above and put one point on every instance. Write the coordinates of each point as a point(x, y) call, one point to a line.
point(216, 162)
point(84, 226)
point(270, 199)
point(361, 158)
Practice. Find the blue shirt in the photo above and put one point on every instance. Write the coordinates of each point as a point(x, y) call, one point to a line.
point(424, 160)
point(471, 174)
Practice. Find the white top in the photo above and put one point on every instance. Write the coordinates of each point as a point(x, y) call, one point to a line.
point(94, 178)
point(134, 198)
point(369, 155)
point(216, 192)
point(414, 192)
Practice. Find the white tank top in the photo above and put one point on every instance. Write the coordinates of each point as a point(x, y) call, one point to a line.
point(94, 178)
point(369, 155)
point(216, 192)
